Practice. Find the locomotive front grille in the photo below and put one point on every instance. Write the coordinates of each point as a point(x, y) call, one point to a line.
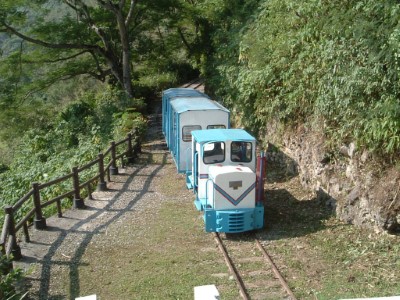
point(236, 222)
point(230, 221)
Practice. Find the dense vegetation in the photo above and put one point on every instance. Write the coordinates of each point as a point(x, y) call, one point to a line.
point(52, 110)
point(74, 137)
point(331, 64)
point(110, 41)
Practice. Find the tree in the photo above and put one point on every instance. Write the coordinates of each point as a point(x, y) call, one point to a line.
point(77, 36)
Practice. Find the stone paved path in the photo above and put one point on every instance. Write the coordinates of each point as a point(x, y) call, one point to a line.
point(59, 249)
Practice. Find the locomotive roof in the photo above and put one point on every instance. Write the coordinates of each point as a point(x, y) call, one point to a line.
point(184, 104)
point(222, 135)
point(183, 92)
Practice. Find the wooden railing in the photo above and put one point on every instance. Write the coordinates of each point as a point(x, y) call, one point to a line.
point(8, 238)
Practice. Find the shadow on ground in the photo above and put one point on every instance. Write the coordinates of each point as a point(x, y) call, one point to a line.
point(288, 217)
point(75, 261)
point(48, 261)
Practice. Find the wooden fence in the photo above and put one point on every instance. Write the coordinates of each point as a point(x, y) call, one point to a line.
point(8, 238)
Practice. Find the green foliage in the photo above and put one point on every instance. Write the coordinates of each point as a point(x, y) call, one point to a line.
point(128, 120)
point(75, 137)
point(313, 60)
point(8, 282)
point(67, 39)
point(77, 118)
point(3, 168)
point(16, 120)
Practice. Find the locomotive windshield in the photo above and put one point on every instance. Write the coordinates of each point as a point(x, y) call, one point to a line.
point(214, 152)
point(241, 152)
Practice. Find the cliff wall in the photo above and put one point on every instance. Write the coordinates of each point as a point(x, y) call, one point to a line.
point(359, 189)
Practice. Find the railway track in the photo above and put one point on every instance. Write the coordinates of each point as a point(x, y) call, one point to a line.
point(251, 266)
point(196, 84)
point(253, 269)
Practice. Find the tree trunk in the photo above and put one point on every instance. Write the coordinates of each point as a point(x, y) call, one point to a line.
point(126, 66)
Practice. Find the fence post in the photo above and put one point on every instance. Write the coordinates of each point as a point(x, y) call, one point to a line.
point(15, 249)
point(113, 167)
point(26, 233)
point(78, 201)
point(130, 156)
point(59, 209)
point(138, 148)
point(102, 185)
point(39, 221)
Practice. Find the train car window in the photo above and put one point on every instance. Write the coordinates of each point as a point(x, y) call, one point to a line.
point(241, 152)
point(187, 132)
point(218, 126)
point(214, 153)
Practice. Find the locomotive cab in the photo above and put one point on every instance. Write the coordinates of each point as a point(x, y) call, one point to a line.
point(223, 177)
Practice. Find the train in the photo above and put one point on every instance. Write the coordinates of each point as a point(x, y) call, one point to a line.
point(219, 162)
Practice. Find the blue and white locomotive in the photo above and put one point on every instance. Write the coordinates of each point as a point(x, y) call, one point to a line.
point(220, 163)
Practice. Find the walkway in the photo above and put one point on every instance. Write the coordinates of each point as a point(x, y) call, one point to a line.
point(61, 247)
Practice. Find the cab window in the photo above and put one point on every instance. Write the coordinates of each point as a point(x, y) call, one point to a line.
point(187, 132)
point(241, 152)
point(218, 126)
point(214, 153)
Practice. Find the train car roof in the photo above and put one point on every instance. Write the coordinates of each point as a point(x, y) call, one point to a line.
point(183, 92)
point(222, 135)
point(183, 104)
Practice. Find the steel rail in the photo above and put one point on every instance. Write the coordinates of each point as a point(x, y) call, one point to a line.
point(198, 84)
point(186, 85)
point(276, 271)
point(242, 288)
point(231, 267)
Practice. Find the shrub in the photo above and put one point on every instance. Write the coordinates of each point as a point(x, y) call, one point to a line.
point(301, 61)
point(9, 279)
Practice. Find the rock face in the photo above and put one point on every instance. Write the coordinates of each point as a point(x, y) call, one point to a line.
point(359, 190)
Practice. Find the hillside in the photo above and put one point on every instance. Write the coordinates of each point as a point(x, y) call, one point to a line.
point(319, 83)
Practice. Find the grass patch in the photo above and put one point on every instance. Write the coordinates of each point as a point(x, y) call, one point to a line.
point(163, 256)
point(161, 251)
point(362, 264)
point(321, 257)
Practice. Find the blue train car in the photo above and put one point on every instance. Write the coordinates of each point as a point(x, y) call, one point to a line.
point(224, 180)
point(220, 163)
point(171, 94)
point(186, 115)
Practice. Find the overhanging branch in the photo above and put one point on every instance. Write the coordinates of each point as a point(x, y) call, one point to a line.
point(130, 12)
point(57, 60)
point(47, 44)
point(49, 83)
